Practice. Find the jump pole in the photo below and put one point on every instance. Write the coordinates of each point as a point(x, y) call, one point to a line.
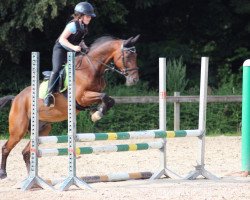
point(33, 178)
point(72, 178)
point(200, 167)
point(245, 144)
point(162, 122)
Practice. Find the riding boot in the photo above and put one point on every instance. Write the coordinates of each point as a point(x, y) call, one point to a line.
point(49, 99)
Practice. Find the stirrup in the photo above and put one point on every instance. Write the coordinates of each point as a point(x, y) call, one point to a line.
point(49, 100)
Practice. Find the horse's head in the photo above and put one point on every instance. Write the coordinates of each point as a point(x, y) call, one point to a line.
point(125, 59)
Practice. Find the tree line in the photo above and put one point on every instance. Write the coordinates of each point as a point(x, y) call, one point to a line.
point(169, 28)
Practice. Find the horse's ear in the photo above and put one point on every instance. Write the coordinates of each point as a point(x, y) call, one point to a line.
point(127, 42)
point(134, 40)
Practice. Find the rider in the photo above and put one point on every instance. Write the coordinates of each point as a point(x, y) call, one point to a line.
point(71, 39)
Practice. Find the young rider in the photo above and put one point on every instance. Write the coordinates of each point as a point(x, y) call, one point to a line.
point(71, 39)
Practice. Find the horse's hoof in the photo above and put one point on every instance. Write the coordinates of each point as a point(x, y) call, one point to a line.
point(3, 174)
point(96, 116)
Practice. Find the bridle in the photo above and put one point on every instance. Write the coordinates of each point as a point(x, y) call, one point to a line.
point(111, 65)
point(126, 69)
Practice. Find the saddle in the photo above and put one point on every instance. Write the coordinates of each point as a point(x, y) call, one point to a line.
point(62, 80)
point(61, 85)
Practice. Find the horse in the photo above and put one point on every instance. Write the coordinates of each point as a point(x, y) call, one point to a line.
point(90, 84)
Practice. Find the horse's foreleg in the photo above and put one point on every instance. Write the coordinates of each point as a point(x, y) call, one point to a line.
point(105, 103)
point(26, 156)
point(44, 130)
point(5, 154)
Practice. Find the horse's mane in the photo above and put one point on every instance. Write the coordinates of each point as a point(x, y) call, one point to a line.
point(102, 40)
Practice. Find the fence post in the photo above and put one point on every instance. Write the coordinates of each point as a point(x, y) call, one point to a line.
point(176, 112)
point(245, 145)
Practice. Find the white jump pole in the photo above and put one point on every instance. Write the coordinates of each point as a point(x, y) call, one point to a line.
point(200, 167)
point(162, 122)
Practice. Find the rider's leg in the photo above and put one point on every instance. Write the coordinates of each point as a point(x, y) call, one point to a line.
point(58, 58)
point(49, 99)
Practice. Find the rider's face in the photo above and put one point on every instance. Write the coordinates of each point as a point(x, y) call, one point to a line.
point(86, 19)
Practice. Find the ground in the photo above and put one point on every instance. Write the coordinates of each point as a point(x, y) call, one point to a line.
point(222, 157)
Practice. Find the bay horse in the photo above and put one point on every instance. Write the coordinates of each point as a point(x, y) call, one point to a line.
point(90, 84)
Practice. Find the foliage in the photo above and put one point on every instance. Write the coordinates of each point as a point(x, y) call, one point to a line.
point(176, 76)
point(190, 29)
point(172, 29)
point(129, 117)
point(4, 121)
point(125, 117)
point(230, 83)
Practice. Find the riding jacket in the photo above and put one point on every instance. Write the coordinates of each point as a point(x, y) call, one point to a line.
point(78, 33)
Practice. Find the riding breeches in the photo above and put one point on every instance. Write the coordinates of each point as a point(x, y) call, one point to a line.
point(59, 57)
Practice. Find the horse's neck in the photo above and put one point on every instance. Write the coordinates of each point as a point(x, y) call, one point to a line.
point(100, 58)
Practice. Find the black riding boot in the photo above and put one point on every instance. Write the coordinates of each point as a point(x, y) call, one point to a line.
point(49, 99)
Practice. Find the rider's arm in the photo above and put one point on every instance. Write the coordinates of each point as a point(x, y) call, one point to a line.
point(84, 47)
point(63, 39)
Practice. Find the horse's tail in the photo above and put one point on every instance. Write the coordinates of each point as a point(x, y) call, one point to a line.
point(5, 100)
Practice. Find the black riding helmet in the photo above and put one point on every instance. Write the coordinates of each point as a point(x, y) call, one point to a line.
point(85, 8)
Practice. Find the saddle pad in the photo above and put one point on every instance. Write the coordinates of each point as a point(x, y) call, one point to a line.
point(44, 85)
point(43, 89)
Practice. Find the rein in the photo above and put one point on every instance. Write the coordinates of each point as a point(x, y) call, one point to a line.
point(111, 65)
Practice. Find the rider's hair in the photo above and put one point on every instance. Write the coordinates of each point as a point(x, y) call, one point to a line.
point(76, 16)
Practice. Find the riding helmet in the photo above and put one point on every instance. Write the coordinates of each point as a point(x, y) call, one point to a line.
point(85, 8)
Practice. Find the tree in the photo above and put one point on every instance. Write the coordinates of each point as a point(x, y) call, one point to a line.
point(168, 28)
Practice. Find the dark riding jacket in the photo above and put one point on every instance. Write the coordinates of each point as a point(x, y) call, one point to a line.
point(76, 38)
point(60, 52)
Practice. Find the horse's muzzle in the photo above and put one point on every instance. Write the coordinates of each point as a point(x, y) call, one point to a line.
point(130, 80)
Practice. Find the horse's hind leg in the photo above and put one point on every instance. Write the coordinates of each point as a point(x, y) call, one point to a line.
point(16, 134)
point(44, 129)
